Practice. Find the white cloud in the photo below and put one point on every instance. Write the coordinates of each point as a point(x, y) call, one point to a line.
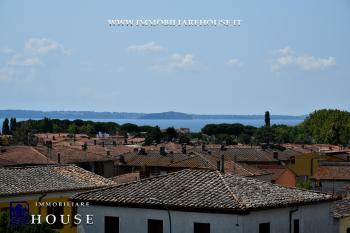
point(148, 47)
point(312, 63)
point(44, 46)
point(23, 64)
point(286, 57)
point(6, 50)
point(176, 62)
point(234, 62)
point(20, 60)
point(285, 51)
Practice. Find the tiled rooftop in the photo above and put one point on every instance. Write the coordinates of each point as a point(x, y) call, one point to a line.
point(202, 190)
point(341, 208)
point(73, 154)
point(48, 178)
point(333, 173)
point(15, 155)
point(253, 155)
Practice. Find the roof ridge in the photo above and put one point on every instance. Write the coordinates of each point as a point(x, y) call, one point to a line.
point(127, 183)
point(242, 167)
point(41, 154)
point(206, 160)
point(241, 204)
point(38, 166)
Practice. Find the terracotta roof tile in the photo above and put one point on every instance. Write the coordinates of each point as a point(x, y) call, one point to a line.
point(200, 190)
point(341, 208)
point(24, 155)
point(48, 178)
point(333, 173)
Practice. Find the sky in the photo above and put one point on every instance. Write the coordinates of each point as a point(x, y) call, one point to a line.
point(286, 57)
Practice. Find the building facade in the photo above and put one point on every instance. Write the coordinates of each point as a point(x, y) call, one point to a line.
point(198, 201)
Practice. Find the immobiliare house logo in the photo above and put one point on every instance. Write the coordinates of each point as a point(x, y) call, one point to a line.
point(19, 213)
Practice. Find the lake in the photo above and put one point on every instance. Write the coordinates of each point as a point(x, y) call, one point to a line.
point(194, 125)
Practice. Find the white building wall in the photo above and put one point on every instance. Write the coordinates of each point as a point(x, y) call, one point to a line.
point(313, 219)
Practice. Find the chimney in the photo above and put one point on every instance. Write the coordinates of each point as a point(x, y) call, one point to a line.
point(108, 153)
point(142, 151)
point(84, 146)
point(2, 149)
point(95, 142)
point(223, 146)
point(58, 158)
point(204, 147)
point(222, 164)
point(218, 165)
point(114, 143)
point(171, 156)
point(162, 150)
point(122, 159)
point(103, 144)
point(183, 149)
point(275, 154)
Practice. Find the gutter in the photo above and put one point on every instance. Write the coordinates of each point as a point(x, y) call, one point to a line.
point(39, 200)
point(290, 218)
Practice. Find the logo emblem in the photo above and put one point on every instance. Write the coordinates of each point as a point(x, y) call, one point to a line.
point(19, 213)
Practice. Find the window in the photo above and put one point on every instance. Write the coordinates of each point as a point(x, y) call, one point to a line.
point(296, 226)
point(57, 211)
point(264, 228)
point(74, 212)
point(347, 230)
point(99, 168)
point(201, 227)
point(111, 224)
point(155, 226)
point(292, 160)
point(5, 210)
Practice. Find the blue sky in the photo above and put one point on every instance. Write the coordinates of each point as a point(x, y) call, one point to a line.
point(289, 58)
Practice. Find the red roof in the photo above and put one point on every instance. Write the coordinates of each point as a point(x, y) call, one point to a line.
point(22, 155)
point(333, 173)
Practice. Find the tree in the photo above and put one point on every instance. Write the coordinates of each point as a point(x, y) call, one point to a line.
point(87, 129)
point(72, 129)
point(267, 119)
point(6, 127)
point(267, 129)
point(154, 136)
point(13, 124)
point(328, 126)
point(24, 134)
point(183, 138)
point(171, 134)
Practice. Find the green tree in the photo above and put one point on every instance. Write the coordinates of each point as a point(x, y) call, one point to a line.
point(267, 129)
point(87, 129)
point(6, 127)
point(73, 129)
point(24, 134)
point(13, 124)
point(267, 119)
point(183, 138)
point(154, 136)
point(328, 126)
point(171, 134)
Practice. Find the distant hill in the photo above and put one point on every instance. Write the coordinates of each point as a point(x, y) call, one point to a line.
point(167, 115)
point(27, 114)
point(68, 114)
